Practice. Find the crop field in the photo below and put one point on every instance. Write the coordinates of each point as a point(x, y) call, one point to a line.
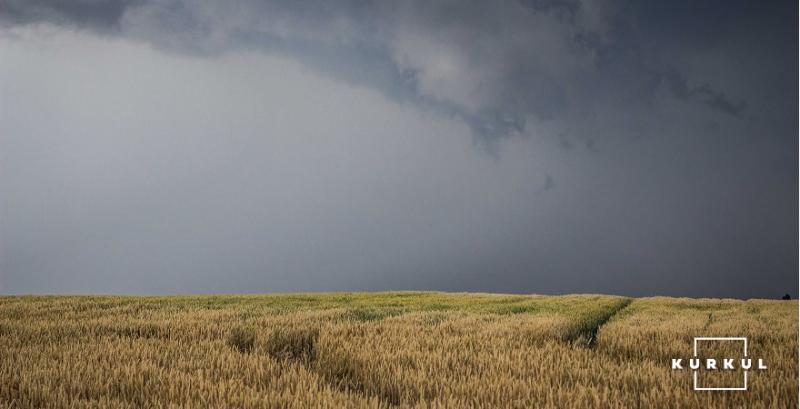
point(388, 350)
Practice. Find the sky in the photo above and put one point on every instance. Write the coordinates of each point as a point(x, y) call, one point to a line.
point(546, 146)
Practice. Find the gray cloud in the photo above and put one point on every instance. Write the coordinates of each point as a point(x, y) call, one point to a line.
point(159, 146)
point(101, 15)
point(496, 66)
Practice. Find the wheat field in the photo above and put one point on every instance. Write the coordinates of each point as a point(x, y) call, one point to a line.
point(384, 350)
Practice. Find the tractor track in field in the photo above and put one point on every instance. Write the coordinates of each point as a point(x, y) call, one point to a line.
point(587, 331)
point(621, 306)
point(301, 347)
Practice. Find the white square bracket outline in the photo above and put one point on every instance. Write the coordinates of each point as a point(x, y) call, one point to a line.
point(694, 372)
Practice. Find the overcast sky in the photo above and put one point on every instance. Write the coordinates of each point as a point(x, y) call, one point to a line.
point(546, 146)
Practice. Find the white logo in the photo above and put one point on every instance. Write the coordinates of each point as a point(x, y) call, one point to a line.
point(743, 363)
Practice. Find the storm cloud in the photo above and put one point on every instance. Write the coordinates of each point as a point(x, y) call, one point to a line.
point(526, 146)
point(496, 66)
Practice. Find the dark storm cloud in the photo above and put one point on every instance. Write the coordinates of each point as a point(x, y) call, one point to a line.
point(494, 65)
point(94, 14)
point(638, 147)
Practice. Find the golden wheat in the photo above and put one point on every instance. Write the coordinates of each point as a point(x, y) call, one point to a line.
point(365, 350)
